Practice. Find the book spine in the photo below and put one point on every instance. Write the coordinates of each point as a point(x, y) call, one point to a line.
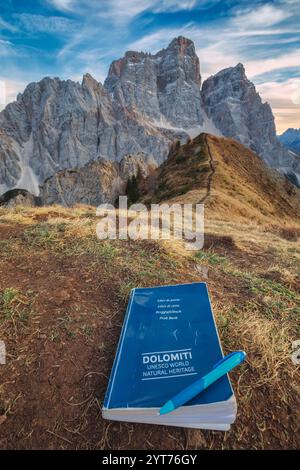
point(117, 356)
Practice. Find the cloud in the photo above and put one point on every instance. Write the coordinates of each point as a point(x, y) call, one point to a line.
point(283, 61)
point(173, 6)
point(281, 94)
point(119, 9)
point(131, 8)
point(108, 18)
point(246, 32)
point(215, 58)
point(237, 37)
point(285, 118)
point(92, 62)
point(284, 98)
point(177, 5)
point(155, 41)
point(221, 55)
point(263, 16)
point(9, 90)
point(5, 26)
point(122, 11)
point(6, 48)
point(5, 42)
point(62, 4)
point(221, 42)
point(46, 24)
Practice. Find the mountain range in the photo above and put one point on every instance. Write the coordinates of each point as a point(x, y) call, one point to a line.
point(291, 140)
point(70, 142)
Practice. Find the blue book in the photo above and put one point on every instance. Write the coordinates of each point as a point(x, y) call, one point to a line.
point(169, 339)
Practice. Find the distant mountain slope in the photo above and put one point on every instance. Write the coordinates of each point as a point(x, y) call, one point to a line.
point(235, 107)
point(291, 140)
point(56, 125)
point(231, 180)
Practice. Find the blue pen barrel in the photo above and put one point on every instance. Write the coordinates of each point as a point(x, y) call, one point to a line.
point(188, 393)
point(220, 369)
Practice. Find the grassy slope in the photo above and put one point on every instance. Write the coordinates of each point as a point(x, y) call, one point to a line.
point(61, 328)
point(233, 182)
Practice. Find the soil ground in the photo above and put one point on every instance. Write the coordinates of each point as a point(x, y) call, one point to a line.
point(63, 294)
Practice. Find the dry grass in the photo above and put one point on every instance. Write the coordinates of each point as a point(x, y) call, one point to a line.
point(289, 232)
point(234, 182)
point(15, 311)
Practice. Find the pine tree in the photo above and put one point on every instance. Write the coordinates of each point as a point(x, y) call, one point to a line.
point(132, 190)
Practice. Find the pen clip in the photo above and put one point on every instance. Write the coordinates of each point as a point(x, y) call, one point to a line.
point(224, 359)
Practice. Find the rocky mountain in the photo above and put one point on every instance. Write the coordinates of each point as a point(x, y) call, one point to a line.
point(95, 183)
point(19, 197)
point(56, 125)
point(59, 129)
point(291, 140)
point(237, 110)
point(163, 88)
point(235, 107)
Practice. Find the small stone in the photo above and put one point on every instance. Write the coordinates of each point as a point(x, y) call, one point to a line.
point(2, 419)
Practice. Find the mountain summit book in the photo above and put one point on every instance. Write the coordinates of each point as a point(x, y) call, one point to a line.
point(169, 340)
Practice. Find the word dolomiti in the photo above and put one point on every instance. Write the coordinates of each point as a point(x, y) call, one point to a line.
point(166, 357)
point(160, 222)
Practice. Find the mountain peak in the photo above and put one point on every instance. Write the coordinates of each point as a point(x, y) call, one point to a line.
point(240, 67)
point(181, 46)
point(291, 140)
point(181, 41)
point(88, 79)
point(235, 107)
point(164, 87)
point(291, 130)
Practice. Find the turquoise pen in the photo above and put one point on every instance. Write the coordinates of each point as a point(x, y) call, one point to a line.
point(221, 368)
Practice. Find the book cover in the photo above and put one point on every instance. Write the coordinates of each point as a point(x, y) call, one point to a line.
point(169, 339)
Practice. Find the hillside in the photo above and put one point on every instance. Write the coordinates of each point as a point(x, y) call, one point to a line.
point(232, 182)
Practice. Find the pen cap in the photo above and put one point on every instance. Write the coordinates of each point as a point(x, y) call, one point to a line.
point(240, 356)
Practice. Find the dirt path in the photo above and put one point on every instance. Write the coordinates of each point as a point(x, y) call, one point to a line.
point(211, 175)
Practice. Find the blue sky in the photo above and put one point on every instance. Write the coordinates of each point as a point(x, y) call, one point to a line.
point(67, 38)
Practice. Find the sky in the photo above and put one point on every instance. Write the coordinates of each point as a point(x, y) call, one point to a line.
point(67, 38)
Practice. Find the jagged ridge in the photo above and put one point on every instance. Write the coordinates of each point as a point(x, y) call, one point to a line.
point(147, 102)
